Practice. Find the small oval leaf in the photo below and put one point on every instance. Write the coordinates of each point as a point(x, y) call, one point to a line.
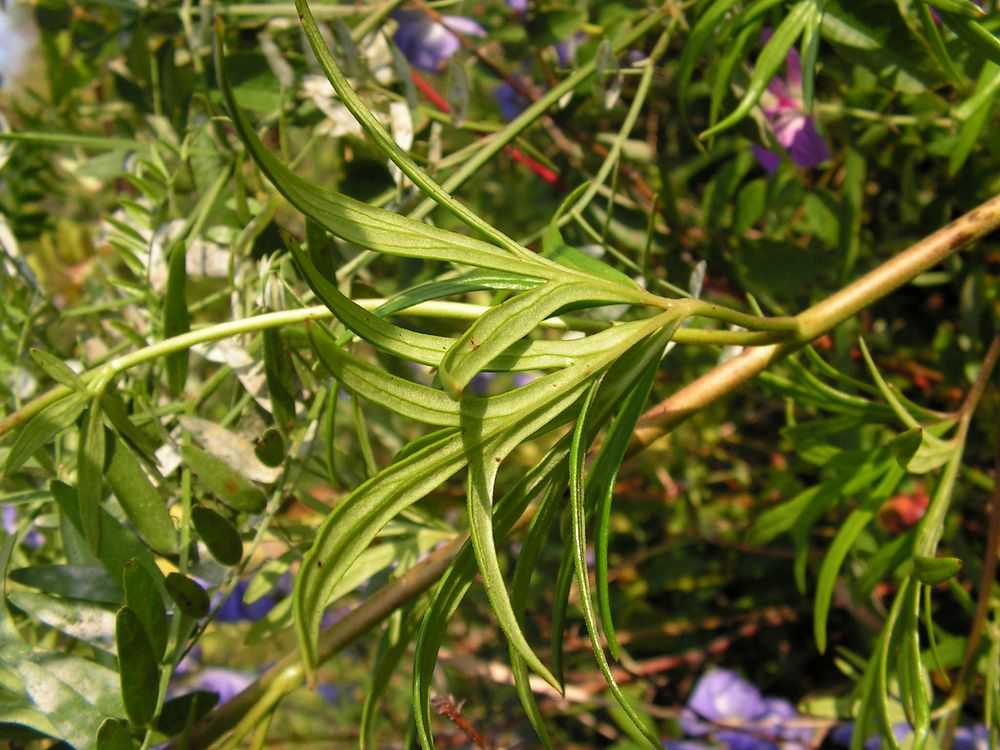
point(190, 598)
point(56, 369)
point(90, 474)
point(935, 570)
point(139, 499)
point(220, 536)
point(113, 735)
point(224, 481)
point(83, 582)
point(45, 425)
point(270, 448)
point(144, 599)
point(140, 673)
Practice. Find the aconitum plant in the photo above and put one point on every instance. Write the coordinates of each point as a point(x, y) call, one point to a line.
point(650, 403)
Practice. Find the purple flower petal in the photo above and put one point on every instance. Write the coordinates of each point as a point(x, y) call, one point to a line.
point(226, 682)
point(734, 740)
point(518, 6)
point(234, 609)
point(720, 696)
point(807, 147)
point(971, 738)
point(511, 103)
point(784, 110)
point(778, 719)
point(426, 43)
point(767, 159)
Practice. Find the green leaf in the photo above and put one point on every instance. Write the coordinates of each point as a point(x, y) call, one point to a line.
point(842, 543)
point(930, 26)
point(973, 33)
point(766, 66)
point(90, 473)
point(75, 720)
point(396, 639)
point(985, 94)
point(176, 319)
point(472, 281)
point(411, 400)
point(143, 505)
point(44, 427)
point(86, 583)
point(484, 461)
point(712, 25)
point(934, 570)
point(144, 599)
point(910, 670)
point(88, 623)
point(780, 519)
point(180, 714)
point(965, 8)
point(602, 485)
point(428, 349)
point(220, 536)
point(113, 735)
point(889, 557)
point(919, 451)
point(227, 484)
point(114, 409)
point(190, 598)
point(973, 114)
point(502, 326)
point(56, 369)
point(456, 582)
point(563, 254)
point(270, 448)
point(366, 226)
point(578, 514)
point(118, 544)
point(137, 664)
point(278, 375)
point(527, 562)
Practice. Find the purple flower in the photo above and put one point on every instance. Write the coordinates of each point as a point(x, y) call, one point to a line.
point(33, 539)
point(784, 110)
point(481, 383)
point(426, 43)
point(566, 49)
point(518, 6)
point(720, 696)
point(971, 738)
point(234, 609)
point(227, 683)
point(511, 103)
point(735, 714)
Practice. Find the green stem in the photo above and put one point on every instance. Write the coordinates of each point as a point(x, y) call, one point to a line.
point(433, 309)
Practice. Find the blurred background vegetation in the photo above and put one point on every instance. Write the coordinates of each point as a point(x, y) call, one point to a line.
point(115, 146)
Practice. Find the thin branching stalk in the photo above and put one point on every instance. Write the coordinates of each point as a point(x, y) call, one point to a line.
point(821, 318)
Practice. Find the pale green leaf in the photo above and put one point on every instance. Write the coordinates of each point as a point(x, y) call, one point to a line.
point(142, 503)
point(44, 427)
point(578, 515)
